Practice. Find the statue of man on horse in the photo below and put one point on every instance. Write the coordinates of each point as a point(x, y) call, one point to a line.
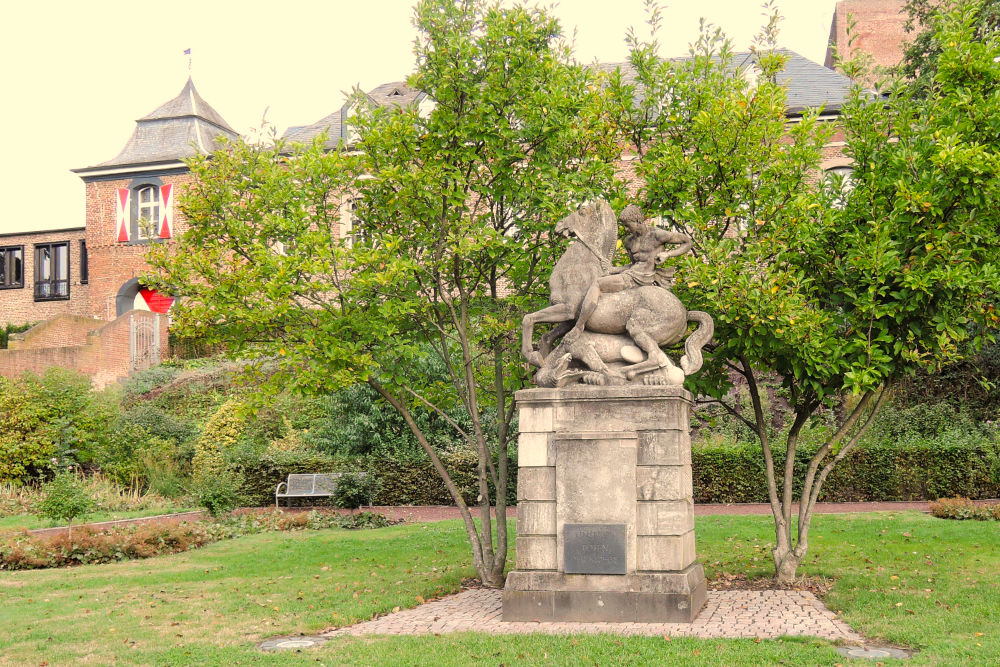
point(613, 321)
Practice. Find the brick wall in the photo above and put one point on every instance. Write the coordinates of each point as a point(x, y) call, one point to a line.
point(60, 331)
point(103, 354)
point(112, 264)
point(878, 31)
point(18, 305)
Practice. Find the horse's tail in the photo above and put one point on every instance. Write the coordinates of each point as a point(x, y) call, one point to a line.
point(692, 360)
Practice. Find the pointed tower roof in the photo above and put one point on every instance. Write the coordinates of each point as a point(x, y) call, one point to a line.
point(178, 129)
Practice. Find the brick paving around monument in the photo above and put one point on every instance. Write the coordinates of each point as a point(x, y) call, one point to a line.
point(734, 614)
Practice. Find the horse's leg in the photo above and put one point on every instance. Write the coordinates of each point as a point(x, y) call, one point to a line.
point(545, 342)
point(559, 312)
point(655, 357)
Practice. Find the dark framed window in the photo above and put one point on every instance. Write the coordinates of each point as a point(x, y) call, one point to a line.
point(84, 264)
point(12, 267)
point(52, 271)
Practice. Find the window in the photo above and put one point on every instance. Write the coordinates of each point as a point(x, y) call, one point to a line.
point(11, 267)
point(52, 271)
point(351, 229)
point(84, 264)
point(147, 212)
point(839, 182)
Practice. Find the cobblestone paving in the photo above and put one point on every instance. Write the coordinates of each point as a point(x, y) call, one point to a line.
point(764, 614)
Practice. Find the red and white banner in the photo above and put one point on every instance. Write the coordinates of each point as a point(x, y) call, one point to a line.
point(166, 211)
point(123, 208)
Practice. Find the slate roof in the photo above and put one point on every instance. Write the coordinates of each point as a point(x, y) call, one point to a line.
point(810, 85)
point(395, 94)
point(181, 128)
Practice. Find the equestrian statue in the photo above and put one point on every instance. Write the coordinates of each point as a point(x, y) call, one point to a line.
point(612, 321)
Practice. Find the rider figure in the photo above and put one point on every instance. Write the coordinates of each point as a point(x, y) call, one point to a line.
point(646, 248)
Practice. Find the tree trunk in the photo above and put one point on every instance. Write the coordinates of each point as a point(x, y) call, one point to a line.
point(786, 563)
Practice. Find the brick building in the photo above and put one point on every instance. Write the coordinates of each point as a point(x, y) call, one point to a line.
point(84, 284)
point(42, 275)
point(879, 30)
point(130, 199)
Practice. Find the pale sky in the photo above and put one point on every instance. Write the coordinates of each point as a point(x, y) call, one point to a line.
point(76, 75)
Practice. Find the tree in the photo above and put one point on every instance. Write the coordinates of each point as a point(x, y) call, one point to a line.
point(921, 53)
point(454, 206)
point(66, 498)
point(835, 292)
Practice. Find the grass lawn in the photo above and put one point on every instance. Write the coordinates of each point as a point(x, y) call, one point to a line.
point(31, 521)
point(905, 578)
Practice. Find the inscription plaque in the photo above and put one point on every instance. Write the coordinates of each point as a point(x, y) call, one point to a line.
point(594, 548)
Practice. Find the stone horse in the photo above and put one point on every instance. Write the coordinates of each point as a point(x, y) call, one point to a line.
point(651, 316)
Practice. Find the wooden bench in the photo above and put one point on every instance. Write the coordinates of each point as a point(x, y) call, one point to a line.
point(319, 485)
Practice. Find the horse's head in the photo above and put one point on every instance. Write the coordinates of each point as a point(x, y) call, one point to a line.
point(594, 223)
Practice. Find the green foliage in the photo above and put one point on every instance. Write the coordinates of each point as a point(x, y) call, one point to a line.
point(147, 380)
point(66, 498)
point(47, 420)
point(453, 226)
point(356, 421)
point(404, 480)
point(916, 469)
point(8, 329)
point(354, 490)
point(838, 294)
point(227, 428)
point(218, 492)
point(922, 51)
point(971, 384)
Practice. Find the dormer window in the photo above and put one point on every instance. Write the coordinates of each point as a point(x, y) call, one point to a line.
point(147, 213)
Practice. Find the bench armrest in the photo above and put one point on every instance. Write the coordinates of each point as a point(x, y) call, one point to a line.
point(277, 489)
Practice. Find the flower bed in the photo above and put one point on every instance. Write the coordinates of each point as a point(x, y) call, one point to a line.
point(22, 551)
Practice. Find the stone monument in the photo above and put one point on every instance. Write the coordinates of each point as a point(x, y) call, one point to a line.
point(605, 517)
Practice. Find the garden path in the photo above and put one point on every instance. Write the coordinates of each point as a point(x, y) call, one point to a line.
point(762, 614)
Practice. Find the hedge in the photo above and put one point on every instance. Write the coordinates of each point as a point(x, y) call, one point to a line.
point(876, 472)
point(722, 474)
point(400, 481)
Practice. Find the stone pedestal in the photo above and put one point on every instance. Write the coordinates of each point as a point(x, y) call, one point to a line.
point(605, 516)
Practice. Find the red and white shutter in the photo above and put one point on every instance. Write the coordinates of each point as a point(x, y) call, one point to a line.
point(166, 211)
point(122, 208)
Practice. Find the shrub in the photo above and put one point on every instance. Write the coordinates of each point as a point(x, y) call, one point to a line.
point(46, 417)
point(963, 508)
point(355, 421)
point(66, 498)
point(159, 423)
point(221, 434)
point(24, 551)
point(914, 469)
point(354, 490)
point(17, 499)
point(218, 493)
point(364, 520)
point(147, 380)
